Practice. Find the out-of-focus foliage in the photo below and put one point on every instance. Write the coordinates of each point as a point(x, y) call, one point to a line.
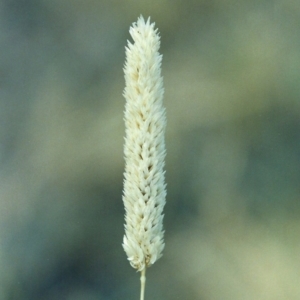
point(231, 73)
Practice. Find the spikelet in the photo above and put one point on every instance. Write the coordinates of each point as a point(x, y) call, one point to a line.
point(144, 150)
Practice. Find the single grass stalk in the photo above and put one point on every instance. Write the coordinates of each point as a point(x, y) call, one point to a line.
point(144, 190)
point(143, 283)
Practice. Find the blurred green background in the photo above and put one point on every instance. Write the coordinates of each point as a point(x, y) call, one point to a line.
point(232, 90)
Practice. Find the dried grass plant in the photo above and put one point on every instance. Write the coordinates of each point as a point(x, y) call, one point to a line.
point(144, 150)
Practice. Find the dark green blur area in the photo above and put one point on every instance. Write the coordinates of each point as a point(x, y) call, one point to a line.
point(232, 95)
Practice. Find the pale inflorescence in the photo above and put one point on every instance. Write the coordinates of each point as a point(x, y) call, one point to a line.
point(144, 184)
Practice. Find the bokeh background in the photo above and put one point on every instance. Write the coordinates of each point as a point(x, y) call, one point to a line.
point(232, 90)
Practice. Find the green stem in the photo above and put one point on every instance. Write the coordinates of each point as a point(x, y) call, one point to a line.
point(143, 283)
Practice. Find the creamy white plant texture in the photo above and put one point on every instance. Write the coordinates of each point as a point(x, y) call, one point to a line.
point(144, 191)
